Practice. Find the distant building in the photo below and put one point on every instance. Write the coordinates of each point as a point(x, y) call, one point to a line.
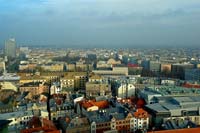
point(27, 66)
point(10, 48)
point(80, 81)
point(133, 60)
point(97, 86)
point(71, 67)
point(98, 89)
point(2, 65)
point(145, 64)
point(95, 78)
point(67, 81)
point(165, 67)
point(126, 90)
point(24, 50)
point(112, 62)
point(178, 70)
point(192, 74)
point(114, 71)
point(155, 66)
point(102, 64)
point(53, 67)
point(198, 66)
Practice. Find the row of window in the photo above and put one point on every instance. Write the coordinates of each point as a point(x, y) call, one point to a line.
point(23, 118)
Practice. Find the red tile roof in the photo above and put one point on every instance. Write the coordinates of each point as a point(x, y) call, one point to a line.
point(140, 113)
point(48, 127)
point(133, 65)
point(100, 104)
point(187, 85)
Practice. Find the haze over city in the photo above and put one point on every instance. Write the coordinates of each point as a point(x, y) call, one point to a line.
point(101, 23)
point(99, 66)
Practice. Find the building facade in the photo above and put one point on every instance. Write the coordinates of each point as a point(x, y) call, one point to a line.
point(10, 48)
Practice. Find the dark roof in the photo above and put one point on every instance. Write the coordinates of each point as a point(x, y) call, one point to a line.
point(4, 123)
point(23, 95)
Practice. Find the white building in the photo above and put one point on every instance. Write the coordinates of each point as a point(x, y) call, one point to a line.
point(126, 90)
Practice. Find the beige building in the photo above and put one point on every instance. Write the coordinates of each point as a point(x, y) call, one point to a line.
point(81, 66)
point(102, 64)
point(75, 80)
point(33, 89)
point(2, 65)
point(71, 67)
point(53, 67)
point(113, 62)
point(95, 78)
point(27, 66)
point(67, 81)
point(97, 89)
point(198, 66)
point(31, 78)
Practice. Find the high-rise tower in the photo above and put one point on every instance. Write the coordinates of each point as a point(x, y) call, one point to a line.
point(10, 48)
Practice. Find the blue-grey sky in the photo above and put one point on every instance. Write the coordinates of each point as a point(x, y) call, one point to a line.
point(101, 22)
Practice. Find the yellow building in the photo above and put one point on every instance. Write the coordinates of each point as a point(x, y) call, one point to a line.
point(67, 81)
point(31, 78)
point(71, 67)
point(75, 80)
point(198, 66)
point(112, 62)
point(53, 67)
point(98, 89)
point(95, 78)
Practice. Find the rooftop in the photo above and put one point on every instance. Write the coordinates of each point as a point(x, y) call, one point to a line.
point(99, 104)
point(185, 130)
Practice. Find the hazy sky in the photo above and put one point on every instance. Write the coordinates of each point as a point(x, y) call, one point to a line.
point(101, 22)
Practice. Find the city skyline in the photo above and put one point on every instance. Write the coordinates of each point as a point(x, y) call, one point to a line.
point(98, 23)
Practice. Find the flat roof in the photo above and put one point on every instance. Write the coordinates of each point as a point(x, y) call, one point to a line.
point(185, 130)
point(157, 107)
